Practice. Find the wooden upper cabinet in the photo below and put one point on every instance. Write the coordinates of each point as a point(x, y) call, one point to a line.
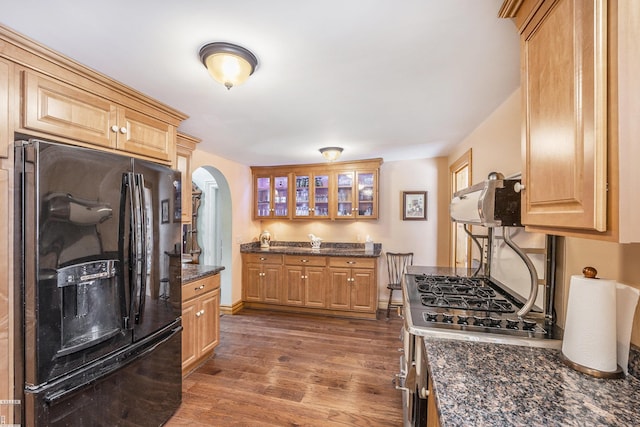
point(55, 108)
point(564, 84)
point(142, 134)
point(185, 145)
point(580, 118)
point(342, 190)
point(6, 73)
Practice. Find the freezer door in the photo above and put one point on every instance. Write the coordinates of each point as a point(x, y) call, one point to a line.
point(69, 268)
point(154, 241)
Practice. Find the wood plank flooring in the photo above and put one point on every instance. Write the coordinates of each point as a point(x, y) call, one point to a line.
point(282, 369)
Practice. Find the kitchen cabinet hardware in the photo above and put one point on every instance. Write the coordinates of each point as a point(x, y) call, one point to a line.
point(199, 288)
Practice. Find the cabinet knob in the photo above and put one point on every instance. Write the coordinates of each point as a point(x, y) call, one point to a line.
point(304, 260)
point(518, 187)
point(114, 128)
point(351, 262)
point(199, 288)
point(123, 130)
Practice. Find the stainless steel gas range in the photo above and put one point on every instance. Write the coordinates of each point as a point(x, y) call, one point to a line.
point(451, 304)
point(503, 301)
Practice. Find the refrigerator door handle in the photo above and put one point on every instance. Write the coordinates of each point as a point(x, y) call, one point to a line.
point(146, 245)
point(135, 244)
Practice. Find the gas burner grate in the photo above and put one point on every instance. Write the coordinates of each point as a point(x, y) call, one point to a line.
point(467, 303)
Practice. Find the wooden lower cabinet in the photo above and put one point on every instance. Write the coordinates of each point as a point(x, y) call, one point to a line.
point(345, 286)
point(200, 320)
point(433, 420)
point(305, 281)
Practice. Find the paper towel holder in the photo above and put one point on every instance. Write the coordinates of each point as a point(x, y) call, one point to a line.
point(591, 273)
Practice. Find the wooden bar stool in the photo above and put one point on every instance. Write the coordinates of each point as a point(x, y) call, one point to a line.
point(396, 266)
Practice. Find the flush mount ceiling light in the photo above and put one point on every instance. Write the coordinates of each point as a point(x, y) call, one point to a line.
point(228, 63)
point(331, 153)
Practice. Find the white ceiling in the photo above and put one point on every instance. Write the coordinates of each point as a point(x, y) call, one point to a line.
point(396, 79)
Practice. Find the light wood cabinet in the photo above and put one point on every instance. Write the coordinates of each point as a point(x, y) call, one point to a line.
point(344, 286)
point(579, 64)
point(433, 420)
point(60, 109)
point(6, 106)
point(352, 284)
point(200, 320)
point(305, 281)
point(341, 190)
point(185, 146)
point(272, 194)
point(262, 278)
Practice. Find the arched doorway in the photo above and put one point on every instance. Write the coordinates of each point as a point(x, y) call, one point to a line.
point(214, 225)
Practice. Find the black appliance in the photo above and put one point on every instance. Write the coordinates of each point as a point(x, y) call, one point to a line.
point(99, 333)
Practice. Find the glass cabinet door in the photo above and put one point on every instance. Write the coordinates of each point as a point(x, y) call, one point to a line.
point(302, 196)
point(321, 196)
point(272, 197)
point(263, 197)
point(345, 202)
point(367, 194)
point(281, 196)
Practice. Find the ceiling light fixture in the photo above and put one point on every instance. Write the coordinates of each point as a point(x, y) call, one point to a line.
point(228, 63)
point(331, 153)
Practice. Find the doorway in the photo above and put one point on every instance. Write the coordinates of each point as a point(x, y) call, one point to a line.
point(214, 225)
point(460, 178)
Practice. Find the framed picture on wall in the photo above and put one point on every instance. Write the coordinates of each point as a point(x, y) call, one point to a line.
point(164, 211)
point(414, 205)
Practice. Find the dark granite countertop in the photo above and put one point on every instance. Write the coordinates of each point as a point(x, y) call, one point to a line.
point(483, 384)
point(191, 272)
point(304, 248)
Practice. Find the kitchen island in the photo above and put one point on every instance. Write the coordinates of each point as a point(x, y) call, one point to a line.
point(490, 384)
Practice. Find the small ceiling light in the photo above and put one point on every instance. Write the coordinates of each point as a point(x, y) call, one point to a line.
point(331, 153)
point(228, 63)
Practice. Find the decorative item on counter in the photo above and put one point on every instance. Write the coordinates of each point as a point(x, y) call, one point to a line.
point(315, 241)
point(598, 325)
point(368, 245)
point(265, 239)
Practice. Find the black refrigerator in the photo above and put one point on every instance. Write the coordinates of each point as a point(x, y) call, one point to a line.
point(98, 326)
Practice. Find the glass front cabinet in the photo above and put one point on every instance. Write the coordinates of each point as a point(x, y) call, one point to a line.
point(271, 196)
point(357, 194)
point(333, 191)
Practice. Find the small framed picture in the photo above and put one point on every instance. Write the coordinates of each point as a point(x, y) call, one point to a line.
point(164, 211)
point(414, 205)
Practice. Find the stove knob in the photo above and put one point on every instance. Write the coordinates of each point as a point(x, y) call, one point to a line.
point(512, 323)
point(494, 322)
point(528, 325)
point(478, 321)
point(447, 318)
point(463, 320)
point(432, 316)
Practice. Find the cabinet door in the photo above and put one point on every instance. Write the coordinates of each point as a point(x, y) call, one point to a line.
point(315, 287)
point(280, 196)
point(367, 191)
point(189, 333)
point(294, 285)
point(363, 290)
point(564, 82)
point(6, 107)
point(339, 292)
point(345, 203)
point(272, 276)
point(252, 284)
point(56, 108)
point(262, 197)
point(321, 196)
point(209, 309)
point(144, 135)
point(303, 193)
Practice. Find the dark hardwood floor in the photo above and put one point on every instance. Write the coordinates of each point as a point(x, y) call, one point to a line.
point(277, 369)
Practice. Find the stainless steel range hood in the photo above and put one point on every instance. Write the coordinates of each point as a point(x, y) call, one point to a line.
point(492, 203)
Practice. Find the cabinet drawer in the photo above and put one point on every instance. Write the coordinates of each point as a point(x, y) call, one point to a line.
point(352, 262)
point(304, 260)
point(199, 287)
point(263, 258)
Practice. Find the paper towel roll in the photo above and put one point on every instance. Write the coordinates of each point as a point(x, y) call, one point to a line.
point(627, 299)
point(590, 328)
